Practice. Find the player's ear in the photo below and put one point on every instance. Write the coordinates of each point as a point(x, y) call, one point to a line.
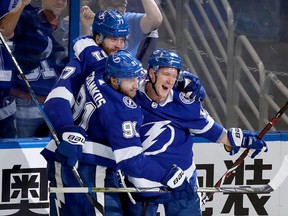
point(151, 74)
point(113, 82)
point(97, 39)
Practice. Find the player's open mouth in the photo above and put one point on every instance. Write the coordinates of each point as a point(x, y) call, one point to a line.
point(165, 88)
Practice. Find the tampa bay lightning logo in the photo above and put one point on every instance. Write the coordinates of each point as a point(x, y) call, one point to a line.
point(185, 99)
point(116, 59)
point(157, 137)
point(102, 15)
point(129, 102)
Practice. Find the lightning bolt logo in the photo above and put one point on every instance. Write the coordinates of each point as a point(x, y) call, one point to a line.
point(59, 198)
point(58, 205)
point(155, 131)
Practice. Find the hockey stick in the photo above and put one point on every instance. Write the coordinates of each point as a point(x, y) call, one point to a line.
point(237, 163)
point(277, 180)
point(45, 117)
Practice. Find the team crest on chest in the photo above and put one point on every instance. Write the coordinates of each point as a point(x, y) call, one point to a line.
point(184, 99)
point(129, 102)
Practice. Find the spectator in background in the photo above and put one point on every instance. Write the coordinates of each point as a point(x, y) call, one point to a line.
point(149, 43)
point(40, 37)
point(7, 104)
point(141, 24)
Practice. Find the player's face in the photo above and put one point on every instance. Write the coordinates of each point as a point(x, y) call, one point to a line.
point(166, 78)
point(129, 87)
point(112, 44)
point(56, 6)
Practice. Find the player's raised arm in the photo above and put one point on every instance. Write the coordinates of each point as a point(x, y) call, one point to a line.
point(152, 18)
point(8, 24)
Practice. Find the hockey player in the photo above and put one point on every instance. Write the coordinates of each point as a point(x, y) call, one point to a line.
point(111, 120)
point(141, 24)
point(169, 118)
point(110, 31)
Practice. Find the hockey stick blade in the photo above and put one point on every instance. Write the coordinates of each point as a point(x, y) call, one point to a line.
point(277, 180)
point(240, 160)
point(281, 175)
point(275, 183)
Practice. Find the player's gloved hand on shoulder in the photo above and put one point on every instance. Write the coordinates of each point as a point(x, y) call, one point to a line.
point(177, 181)
point(245, 139)
point(191, 85)
point(69, 151)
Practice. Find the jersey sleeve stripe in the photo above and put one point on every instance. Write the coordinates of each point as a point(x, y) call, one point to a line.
point(61, 92)
point(98, 149)
point(80, 45)
point(127, 153)
point(207, 127)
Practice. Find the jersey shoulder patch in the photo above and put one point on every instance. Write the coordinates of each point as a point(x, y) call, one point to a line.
point(129, 102)
point(184, 99)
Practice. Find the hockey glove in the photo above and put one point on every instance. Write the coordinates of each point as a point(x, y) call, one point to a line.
point(245, 139)
point(178, 182)
point(191, 85)
point(69, 151)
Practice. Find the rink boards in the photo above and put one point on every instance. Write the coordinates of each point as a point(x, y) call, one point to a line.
point(24, 186)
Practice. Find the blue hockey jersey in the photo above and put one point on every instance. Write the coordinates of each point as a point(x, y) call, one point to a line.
point(64, 92)
point(166, 131)
point(112, 122)
point(91, 56)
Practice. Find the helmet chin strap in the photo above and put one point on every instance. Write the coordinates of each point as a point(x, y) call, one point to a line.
point(101, 38)
point(153, 84)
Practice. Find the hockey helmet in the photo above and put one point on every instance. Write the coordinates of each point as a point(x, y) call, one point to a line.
point(122, 65)
point(110, 23)
point(164, 58)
